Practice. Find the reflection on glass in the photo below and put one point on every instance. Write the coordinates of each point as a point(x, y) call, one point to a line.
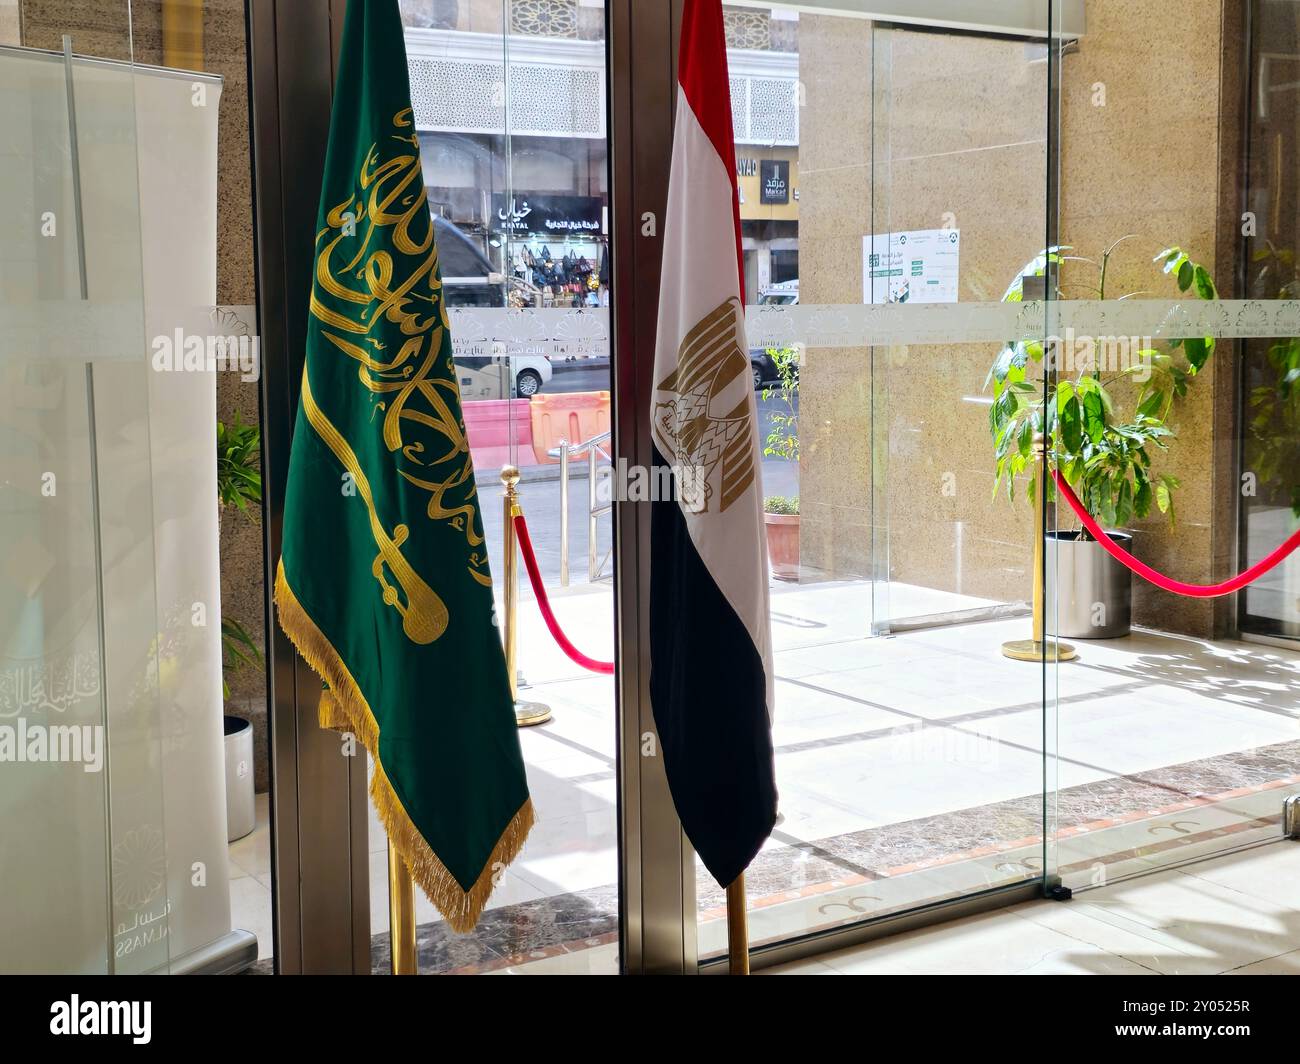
point(1270, 404)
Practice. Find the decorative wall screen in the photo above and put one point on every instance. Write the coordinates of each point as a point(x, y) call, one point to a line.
point(544, 18)
point(765, 110)
point(546, 98)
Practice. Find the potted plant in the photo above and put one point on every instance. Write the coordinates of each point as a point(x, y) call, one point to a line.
point(239, 461)
point(781, 514)
point(1103, 437)
point(782, 517)
point(239, 485)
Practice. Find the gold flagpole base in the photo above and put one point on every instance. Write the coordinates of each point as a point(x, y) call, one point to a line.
point(530, 714)
point(527, 714)
point(401, 916)
point(737, 928)
point(1032, 650)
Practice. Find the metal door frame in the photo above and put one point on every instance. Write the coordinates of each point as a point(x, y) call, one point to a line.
point(319, 815)
point(656, 864)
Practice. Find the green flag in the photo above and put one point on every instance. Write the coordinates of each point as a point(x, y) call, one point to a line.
point(383, 583)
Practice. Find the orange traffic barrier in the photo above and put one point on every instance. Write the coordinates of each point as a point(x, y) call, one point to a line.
point(570, 416)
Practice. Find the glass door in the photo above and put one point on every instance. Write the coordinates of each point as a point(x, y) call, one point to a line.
point(1269, 408)
point(893, 177)
point(510, 108)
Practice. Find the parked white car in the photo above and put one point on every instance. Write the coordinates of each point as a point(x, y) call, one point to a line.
point(484, 376)
point(785, 294)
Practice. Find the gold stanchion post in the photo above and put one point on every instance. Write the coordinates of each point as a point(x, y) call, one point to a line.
point(401, 915)
point(1040, 647)
point(527, 714)
point(737, 928)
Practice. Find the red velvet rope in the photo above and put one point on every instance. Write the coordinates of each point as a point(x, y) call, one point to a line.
point(1160, 580)
point(544, 604)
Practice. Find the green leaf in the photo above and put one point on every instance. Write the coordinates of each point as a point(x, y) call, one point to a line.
point(1142, 496)
point(1151, 405)
point(1165, 494)
point(1198, 351)
point(1123, 500)
point(1204, 284)
point(1094, 416)
point(1071, 417)
point(1107, 502)
point(1026, 441)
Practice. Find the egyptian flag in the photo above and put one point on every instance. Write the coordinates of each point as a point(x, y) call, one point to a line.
point(710, 630)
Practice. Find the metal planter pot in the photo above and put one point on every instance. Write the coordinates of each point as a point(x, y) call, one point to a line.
point(1094, 592)
point(241, 807)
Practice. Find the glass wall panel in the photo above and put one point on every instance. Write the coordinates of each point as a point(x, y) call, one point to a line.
point(892, 197)
point(1176, 736)
point(84, 865)
point(1270, 409)
point(510, 106)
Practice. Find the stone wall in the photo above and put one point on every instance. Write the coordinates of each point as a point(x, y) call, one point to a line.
point(959, 129)
point(1141, 156)
point(957, 138)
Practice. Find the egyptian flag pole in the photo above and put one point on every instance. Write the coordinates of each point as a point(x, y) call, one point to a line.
point(710, 627)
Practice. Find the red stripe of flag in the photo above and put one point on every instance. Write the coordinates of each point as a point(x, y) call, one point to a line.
point(702, 74)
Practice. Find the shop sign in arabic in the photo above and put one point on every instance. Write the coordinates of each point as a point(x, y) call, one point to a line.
point(543, 215)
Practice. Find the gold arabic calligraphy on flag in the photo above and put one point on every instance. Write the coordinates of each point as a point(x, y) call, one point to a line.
point(377, 278)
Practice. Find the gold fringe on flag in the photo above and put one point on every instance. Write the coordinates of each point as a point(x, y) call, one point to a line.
point(344, 708)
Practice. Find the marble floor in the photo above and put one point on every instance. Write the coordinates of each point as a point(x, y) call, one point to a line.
point(250, 879)
point(1233, 915)
point(911, 769)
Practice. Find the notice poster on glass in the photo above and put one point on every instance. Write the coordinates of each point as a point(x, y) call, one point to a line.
point(918, 266)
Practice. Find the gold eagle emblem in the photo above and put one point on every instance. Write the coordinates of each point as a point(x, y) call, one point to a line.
point(702, 410)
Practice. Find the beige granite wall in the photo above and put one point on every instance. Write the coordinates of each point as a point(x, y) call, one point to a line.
point(1141, 155)
point(99, 29)
point(958, 138)
point(242, 549)
point(10, 22)
point(835, 211)
point(960, 127)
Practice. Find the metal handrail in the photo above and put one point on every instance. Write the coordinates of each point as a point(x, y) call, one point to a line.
point(594, 449)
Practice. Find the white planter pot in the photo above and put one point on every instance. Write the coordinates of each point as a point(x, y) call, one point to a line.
point(241, 811)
